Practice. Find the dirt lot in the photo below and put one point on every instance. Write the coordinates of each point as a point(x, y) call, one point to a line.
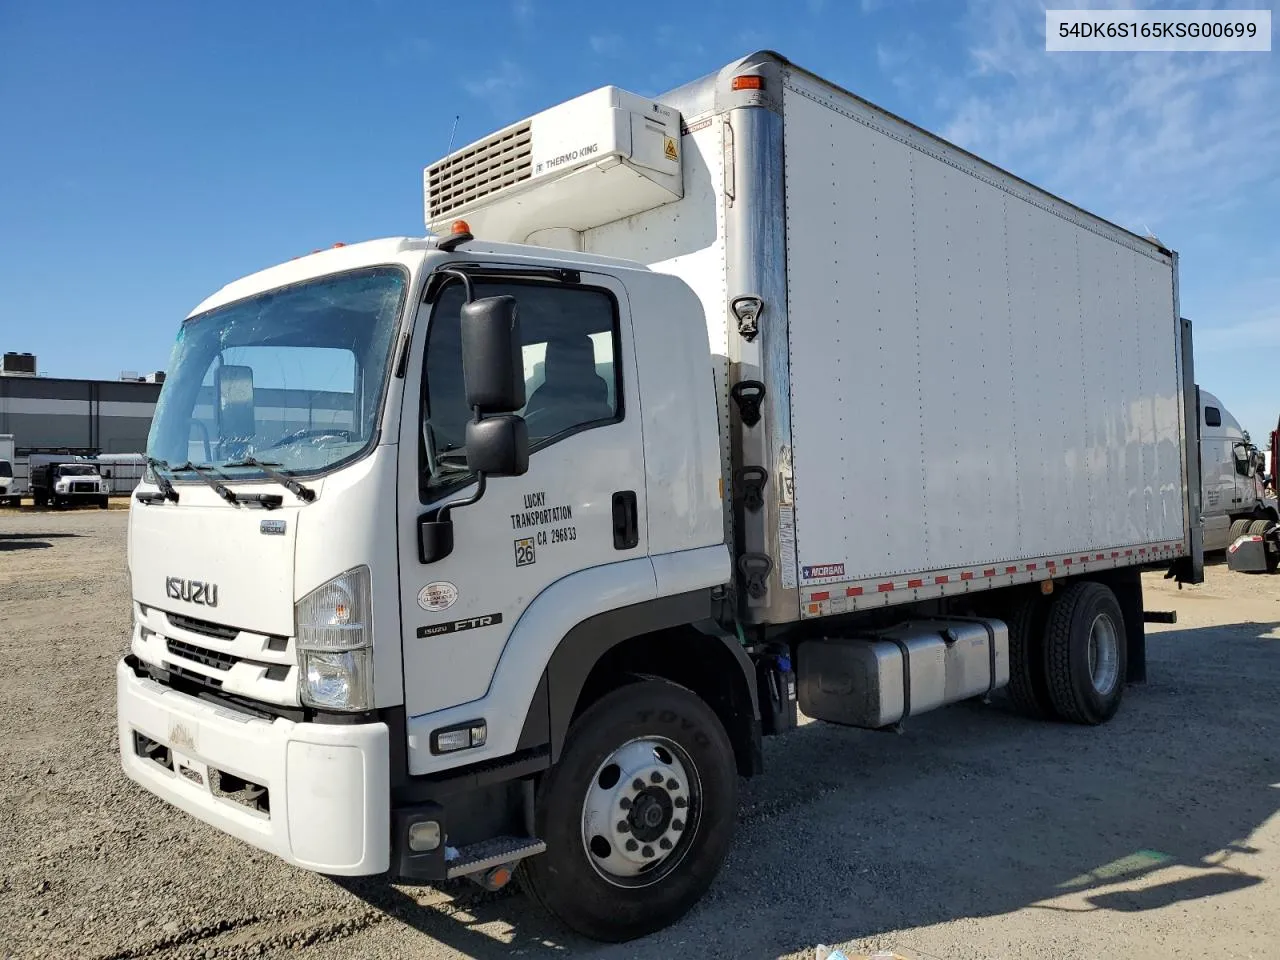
point(972, 834)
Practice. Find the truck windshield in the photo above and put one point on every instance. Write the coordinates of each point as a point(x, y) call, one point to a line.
point(293, 377)
point(77, 470)
point(6, 468)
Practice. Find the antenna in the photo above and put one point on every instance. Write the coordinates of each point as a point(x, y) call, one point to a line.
point(453, 133)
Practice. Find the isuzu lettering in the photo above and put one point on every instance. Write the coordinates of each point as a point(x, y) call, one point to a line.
point(499, 551)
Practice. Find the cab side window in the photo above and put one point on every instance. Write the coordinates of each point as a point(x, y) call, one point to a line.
point(1212, 417)
point(572, 365)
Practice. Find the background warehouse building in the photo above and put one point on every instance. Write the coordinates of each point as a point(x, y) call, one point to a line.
point(111, 417)
point(85, 417)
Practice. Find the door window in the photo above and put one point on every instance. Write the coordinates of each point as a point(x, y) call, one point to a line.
point(572, 368)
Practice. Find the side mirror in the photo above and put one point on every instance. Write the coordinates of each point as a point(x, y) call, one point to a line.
point(492, 361)
point(1240, 453)
point(236, 415)
point(498, 446)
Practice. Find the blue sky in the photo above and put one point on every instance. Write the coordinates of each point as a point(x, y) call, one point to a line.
point(152, 152)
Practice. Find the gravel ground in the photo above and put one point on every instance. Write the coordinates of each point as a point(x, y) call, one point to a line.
point(971, 834)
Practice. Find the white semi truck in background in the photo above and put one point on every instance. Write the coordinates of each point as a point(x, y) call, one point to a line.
point(1234, 500)
point(748, 395)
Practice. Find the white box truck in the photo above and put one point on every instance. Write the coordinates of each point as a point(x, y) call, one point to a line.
point(693, 408)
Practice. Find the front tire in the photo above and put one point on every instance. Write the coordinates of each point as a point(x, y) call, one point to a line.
point(637, 815)
point(103, 503)
point(1085, 653)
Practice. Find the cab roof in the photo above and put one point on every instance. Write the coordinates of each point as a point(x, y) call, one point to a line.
point(391, 250)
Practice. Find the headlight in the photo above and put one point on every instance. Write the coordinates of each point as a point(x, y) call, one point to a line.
point(60, 486)
point(335, 642)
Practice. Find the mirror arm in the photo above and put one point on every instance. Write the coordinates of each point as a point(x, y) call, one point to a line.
point(452, 274)
point(442, 515)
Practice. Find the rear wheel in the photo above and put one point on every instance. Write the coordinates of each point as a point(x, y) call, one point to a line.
point(1085, 659)
point(1258, 527)
point(1238, 529)
point(1028, 688)
point(637, 815)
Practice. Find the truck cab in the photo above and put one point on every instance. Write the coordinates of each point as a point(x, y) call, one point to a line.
point(356, 554)
point(1232, 470)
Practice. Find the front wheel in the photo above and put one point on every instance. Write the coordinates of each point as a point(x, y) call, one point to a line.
point(637, 815)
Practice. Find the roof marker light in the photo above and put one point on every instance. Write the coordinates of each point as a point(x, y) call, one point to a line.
point(459, 233)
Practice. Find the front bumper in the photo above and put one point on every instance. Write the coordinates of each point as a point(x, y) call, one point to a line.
point(327, 800)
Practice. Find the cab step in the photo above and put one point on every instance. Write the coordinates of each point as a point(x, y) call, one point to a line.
point(495, 852)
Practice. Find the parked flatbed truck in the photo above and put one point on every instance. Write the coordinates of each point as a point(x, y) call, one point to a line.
point(692, 410)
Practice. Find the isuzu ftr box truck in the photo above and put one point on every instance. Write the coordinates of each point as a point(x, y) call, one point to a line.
point(501, 550)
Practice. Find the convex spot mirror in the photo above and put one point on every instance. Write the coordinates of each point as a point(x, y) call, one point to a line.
point(498, 446)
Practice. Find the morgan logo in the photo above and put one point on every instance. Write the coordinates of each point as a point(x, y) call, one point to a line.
point(192, 591)
point(823, 570)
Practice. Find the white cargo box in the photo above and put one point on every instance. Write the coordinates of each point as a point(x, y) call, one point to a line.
point(967, 381)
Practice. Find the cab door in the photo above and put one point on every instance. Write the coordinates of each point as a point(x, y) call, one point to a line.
point(1217, 476)
point(580, 505)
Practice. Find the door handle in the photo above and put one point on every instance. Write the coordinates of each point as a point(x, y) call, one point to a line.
point(626, 520)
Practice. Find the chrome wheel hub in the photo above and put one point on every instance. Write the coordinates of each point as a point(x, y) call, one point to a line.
point(640, 812)
point(1104, 654)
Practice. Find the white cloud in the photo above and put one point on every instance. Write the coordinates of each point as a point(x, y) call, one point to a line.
point(605, 44)
point(500, 88)
point(1259, 333)
point(1142, 137)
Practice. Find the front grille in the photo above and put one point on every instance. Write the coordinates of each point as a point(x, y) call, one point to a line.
point(207, 658)
point(203, 627)
point(502, 161)
point(84, 488)
point(196, 678)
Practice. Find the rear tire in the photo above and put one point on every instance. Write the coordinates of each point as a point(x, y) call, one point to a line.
point(1258, 527)
point(590, 877)
point(1028, 688)
point(1238, 529)
point(1085, 656)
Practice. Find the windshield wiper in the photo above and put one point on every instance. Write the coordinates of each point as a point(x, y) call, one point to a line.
point(221, 489)
point(166, 488)
point(305, 494)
